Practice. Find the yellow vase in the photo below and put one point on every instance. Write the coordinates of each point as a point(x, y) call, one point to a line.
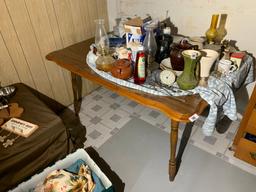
point(211, 33)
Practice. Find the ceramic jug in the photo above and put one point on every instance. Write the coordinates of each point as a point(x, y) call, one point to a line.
point(188, 80)
point(122, 69)
point(176, 58)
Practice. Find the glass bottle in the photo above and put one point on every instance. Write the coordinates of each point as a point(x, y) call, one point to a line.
point(104, 62)
point(211, 33)
point(150, 48)
point(101, 37)
point(221, 31)
point(163, 50)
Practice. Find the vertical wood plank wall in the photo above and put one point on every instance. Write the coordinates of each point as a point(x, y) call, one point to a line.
point(29, 29)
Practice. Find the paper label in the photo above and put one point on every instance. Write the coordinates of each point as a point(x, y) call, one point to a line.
point(193, 117)
point(141, 67)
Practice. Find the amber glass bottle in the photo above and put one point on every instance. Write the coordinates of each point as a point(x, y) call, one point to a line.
point(221, 31)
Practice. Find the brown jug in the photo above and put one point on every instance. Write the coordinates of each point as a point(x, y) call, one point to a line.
point(122, 69)
point(176, 58)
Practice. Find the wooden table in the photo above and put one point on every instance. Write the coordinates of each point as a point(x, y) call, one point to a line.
point(178, 109)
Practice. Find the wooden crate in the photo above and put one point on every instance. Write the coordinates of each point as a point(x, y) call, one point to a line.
point(246, 151)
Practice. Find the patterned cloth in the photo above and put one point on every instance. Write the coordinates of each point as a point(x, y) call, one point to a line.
point(63, 181)
point(220, 96)
point(219, 93)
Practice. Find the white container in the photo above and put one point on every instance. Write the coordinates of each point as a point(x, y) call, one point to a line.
point(62, 164)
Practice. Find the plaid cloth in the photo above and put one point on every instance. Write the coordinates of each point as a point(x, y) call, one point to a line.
point(220, 96)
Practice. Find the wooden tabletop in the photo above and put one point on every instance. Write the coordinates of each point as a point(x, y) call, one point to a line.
point(73, 58)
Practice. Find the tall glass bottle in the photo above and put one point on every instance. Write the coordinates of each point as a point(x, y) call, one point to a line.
point(211, 33)
point(221, 31)
point(150, 47)
point(104, 62)
point(101, 37)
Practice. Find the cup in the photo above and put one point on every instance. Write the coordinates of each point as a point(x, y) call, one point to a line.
point(224, 66)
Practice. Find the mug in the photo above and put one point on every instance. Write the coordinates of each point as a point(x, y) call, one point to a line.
point(233, 67)
point(224, 66)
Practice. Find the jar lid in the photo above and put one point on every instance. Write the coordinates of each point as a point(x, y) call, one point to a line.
point(122, 63)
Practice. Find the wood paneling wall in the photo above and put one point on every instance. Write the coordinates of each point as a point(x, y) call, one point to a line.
point(30, 29)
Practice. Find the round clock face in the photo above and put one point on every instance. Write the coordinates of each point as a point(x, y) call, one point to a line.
point(167, 77)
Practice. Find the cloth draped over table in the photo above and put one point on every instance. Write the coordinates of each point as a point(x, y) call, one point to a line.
point(220, 96)
point(219, 93)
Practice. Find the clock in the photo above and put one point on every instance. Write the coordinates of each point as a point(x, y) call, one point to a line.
point(167, 77)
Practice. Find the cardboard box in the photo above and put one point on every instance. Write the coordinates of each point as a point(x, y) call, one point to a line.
point(134, 29)
point(237, 58)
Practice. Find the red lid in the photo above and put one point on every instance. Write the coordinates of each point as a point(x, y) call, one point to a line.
point(238, 55)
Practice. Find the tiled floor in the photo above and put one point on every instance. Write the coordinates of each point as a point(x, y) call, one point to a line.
point(104, 113)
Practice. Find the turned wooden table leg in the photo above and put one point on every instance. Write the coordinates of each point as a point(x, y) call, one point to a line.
point(173, 145)
point(77, 91)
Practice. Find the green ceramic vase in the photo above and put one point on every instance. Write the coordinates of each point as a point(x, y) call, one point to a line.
point(188, 80)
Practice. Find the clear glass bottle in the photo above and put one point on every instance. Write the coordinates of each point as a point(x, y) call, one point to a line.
point(163, 50)
point(150, 48)
point(104, 62)
point(101, 37)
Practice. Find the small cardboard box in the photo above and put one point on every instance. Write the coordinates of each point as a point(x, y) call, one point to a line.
point(62, 164)
point(134, 29)
point(237, 58)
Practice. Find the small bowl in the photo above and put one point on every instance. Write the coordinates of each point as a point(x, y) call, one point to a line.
point(7, 91)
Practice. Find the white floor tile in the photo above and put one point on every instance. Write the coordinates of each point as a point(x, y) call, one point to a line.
point(132, 107)
point(115, 118)
point(111, 97)
point(95, 108)
point(152, 116)
point(101, 90)
point(217, 143)
point(85, 119)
